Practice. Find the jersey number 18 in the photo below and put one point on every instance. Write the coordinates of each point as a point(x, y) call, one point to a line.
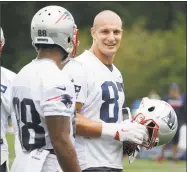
point(32, 135)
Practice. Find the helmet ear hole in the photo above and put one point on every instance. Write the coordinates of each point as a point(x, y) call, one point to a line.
point(69, 39)
point(151, 109)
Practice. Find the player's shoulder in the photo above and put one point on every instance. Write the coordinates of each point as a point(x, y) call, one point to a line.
point(7, 73)
point(116, 70)
point(42, 71)
point(86, 58)
point(42, 67)
point(80, 58)
point(48, 73)
point(74, 63)
point(118, 73)
point(75, 71)
point(74, 66)
point(45, 65)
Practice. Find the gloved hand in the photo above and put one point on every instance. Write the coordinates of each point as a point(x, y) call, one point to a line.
point(132, 132)
point(125, 131)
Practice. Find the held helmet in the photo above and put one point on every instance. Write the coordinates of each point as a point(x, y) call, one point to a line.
point(160, 119)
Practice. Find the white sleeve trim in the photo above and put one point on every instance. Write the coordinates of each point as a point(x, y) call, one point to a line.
point(52, 113)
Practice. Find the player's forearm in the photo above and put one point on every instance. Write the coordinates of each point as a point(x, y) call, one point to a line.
point(66, 155)
point(87, 128)
point(59, 132)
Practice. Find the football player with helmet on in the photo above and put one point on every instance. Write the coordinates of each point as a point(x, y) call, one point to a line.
point(7, 77)
point(44, 100)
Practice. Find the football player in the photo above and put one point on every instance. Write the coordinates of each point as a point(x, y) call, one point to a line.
point(43, 100)
point(7, 77)
point(100, 96)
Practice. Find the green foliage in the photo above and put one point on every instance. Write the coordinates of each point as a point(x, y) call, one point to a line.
point(152, 60)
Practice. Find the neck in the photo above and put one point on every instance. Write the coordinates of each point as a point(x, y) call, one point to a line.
point(53, 55)
point(103, 58)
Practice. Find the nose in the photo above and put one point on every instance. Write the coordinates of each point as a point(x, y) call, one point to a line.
point(111, 36)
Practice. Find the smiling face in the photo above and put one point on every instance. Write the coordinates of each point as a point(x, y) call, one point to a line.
point(107, 33)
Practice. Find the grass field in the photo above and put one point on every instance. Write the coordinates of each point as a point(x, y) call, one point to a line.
point(139, 165)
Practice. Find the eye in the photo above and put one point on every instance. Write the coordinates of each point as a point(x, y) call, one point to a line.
point(105, 31)
point(117, 32)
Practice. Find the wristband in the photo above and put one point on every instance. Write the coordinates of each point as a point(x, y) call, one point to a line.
point(109, 130)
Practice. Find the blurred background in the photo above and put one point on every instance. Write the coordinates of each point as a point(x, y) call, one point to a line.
point(152, 56)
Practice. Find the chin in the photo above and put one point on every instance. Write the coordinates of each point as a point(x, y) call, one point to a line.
point(109, 54)
point(111, 51)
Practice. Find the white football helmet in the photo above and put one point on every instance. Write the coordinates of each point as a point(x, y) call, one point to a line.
point(160, 119)
point(2, 40)
point(55, 25)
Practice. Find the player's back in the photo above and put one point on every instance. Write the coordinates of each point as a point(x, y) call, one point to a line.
point(100, 91)
point(32, 83)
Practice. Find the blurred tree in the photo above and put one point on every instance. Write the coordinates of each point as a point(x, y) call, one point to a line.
point(153, 59)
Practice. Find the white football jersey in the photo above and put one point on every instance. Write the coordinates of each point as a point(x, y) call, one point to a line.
point(100, 90)
point(7, 77)
point(40, 90)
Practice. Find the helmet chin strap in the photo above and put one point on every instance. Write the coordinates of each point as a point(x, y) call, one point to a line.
point(1, 46)
point(75, 42)
point(66, 60)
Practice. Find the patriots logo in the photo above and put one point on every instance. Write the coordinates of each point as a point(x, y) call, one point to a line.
point(66, 15)
point(65, 98)
point(169, 120)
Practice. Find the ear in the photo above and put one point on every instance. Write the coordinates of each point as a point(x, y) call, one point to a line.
point(78, 43)
point(92, 30)
point(122, 33)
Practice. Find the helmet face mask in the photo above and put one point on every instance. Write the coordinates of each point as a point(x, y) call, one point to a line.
point(2, 40)
point(152, 130)
point(160, 120)
point(54, 25)
point(75, 42)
